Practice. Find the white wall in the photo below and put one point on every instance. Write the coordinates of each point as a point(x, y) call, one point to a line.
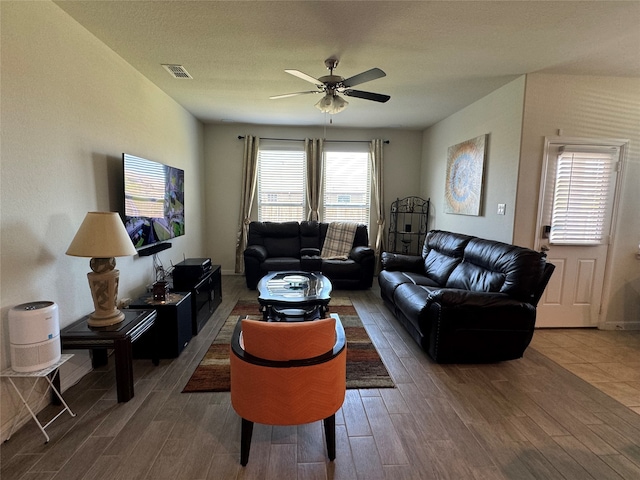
point(224, 174)
point(499, 114)
point(70, 108)
point(596, 107)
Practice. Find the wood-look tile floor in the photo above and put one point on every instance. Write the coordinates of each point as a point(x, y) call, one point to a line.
point(609, 360)
point(524, 419)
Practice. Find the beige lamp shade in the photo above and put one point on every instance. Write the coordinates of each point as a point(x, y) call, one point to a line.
point(101, 235)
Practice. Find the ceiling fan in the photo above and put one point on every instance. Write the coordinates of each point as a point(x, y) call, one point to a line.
point(332, 84)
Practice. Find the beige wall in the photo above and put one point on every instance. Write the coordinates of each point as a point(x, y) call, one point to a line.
point(70, 108)
point(595, 107)
point(499, 115)
point(224, 174)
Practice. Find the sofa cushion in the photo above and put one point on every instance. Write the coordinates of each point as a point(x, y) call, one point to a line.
point(451, 244)
point(279, 264)
point(439, 266)
point(411, 300)
point(280, 239)
point(398, 278)
point(468, 276)
point(442, 252)
point(390, 280)
point(491, 266)
point(340, 268)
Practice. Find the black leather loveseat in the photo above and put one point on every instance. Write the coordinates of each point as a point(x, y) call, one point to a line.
point(273, 246)
point(466, 299)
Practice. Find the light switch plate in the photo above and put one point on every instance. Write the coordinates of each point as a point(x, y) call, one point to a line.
point(501, 208)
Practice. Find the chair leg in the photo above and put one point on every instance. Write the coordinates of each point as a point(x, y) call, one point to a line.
point(245, 441)
point(330, 434)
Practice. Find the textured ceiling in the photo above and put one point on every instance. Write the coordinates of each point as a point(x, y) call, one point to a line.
point(439, 56)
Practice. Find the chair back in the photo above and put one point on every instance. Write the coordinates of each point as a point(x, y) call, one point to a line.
point(284, 341)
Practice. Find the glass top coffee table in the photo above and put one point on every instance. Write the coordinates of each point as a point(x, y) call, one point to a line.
point(294, 296)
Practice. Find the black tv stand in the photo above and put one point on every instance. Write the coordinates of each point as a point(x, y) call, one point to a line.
point(203, 280)
point(153, 249)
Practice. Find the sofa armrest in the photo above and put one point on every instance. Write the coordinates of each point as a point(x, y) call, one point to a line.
point(359, 254)
point(402, 263)
point(256, 251)
point(310, 252)
point(477, 327)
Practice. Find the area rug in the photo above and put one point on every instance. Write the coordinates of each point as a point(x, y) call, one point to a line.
point(364, 365)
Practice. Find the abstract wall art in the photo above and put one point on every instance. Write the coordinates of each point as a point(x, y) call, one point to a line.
point(465, 167)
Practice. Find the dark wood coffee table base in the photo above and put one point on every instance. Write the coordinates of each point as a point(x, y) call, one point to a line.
point(119, 337)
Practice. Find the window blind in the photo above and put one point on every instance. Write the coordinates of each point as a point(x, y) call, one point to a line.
point(581, 203)
point(281, 185)
point(347, 187)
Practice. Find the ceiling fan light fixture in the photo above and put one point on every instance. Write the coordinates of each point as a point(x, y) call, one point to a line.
point(331, 104)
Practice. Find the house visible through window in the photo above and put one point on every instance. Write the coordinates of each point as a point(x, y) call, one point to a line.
point(281, 183)
point(346, 187)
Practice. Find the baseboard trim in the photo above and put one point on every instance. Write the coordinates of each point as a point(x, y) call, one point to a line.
point(635, 325)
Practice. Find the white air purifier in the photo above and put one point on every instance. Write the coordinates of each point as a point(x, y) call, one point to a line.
point(34, 335)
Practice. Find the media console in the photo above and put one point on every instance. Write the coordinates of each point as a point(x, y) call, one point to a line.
point(172, 329)
point(203, 279)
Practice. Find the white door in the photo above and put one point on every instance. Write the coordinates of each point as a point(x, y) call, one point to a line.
point(576, 205)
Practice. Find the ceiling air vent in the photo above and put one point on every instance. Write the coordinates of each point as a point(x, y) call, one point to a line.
point(176, 71)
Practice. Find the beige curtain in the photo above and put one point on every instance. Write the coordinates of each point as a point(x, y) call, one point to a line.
point(377, 174)
point(249, 175)
point(313, 148)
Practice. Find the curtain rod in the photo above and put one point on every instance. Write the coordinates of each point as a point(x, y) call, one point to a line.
point(241, 137)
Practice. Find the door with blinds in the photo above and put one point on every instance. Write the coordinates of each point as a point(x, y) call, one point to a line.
point(574, 227)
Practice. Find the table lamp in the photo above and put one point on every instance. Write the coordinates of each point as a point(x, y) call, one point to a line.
point(102, 237)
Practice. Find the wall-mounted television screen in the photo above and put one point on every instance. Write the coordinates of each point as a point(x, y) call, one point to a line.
point(153, 201)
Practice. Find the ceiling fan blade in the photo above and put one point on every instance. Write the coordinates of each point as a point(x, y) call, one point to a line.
point(304, 76)
point(286, 95)
point(364, 77)
point(376, 97)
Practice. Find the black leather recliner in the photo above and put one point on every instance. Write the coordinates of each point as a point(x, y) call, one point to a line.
point(466, 299)
point(275, 246)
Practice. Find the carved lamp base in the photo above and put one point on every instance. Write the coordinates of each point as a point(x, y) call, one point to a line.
point(103, 282)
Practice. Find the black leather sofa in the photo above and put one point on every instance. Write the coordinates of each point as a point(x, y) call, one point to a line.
point(273, 246)
point(466, 299)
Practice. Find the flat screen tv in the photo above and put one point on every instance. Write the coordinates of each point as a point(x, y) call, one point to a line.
point(153, 201)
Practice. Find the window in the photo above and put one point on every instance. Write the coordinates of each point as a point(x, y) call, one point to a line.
point(582, 199)
point(281, 183)
point(347, 187)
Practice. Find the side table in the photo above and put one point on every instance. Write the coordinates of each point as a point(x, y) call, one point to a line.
point(49, 374)
point(119, 337)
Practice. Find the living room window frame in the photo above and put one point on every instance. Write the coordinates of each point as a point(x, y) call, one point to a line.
point(342, 155)
point(292, 177)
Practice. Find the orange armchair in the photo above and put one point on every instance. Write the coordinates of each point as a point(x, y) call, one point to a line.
point(288, 373)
